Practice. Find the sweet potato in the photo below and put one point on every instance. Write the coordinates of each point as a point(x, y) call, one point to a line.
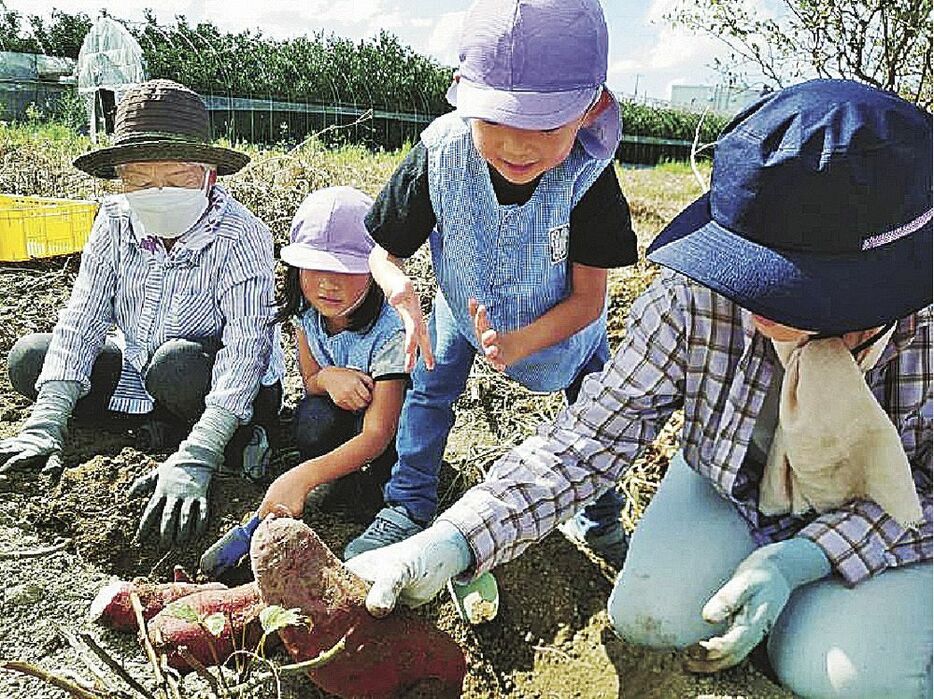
point(174, 627)
point(383, 657)
point(112, 605)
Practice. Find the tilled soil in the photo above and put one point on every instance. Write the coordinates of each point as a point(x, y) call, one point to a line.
point(551, 638)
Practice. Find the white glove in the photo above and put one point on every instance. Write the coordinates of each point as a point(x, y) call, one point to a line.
point(414, 570)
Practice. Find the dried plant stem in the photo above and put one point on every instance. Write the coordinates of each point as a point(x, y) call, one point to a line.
point(147, 646)
point(202, 671)
point(114, 666)
point(34, 553)
point(75, 690)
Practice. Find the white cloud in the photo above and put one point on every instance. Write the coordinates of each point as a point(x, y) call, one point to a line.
point(446, 35)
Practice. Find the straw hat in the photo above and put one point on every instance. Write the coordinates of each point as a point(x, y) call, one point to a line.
point(160, 120)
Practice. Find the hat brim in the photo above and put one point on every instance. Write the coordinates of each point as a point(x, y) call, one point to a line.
point(541, 111)
point(306, 257)
point(102, 162)
point(828, 293)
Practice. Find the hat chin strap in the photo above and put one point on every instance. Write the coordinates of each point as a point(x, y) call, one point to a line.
point(359, 300)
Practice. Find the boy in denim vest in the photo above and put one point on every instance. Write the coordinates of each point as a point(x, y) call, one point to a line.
point(517, 197)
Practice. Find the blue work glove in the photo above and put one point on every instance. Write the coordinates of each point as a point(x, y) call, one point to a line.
point(180, 484)
point(753, 599)
point(43, 433)
point(227, 551)
point(412, 571)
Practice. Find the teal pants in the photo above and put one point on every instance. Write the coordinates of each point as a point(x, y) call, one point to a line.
point(872, 641)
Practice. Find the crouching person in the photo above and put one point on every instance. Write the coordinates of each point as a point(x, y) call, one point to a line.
point(183, 273)
point(793, 327)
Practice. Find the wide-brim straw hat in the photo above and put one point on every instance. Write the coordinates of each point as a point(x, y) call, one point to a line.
point(819, 214)
point(160, 120)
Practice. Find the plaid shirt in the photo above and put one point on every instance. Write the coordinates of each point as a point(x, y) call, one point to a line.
point(688, 347)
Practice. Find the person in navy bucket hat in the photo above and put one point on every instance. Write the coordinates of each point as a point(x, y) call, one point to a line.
point(516, 194)
point(819, 215)
point(791, 325)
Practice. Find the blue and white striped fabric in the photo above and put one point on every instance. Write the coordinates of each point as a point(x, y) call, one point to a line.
point(217, 282)
point(512, 258)
point(378, 350)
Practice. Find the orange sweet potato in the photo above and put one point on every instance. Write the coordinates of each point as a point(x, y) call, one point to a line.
point(383, 657)
point(174, 627)
point(112, 605)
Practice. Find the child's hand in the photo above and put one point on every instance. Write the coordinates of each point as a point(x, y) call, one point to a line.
point(408, 305)
point(349, 389)
point(496, 346)
point(286, 495)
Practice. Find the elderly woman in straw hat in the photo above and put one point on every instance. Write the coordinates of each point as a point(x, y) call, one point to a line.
point(183, 273)
point(793, 327)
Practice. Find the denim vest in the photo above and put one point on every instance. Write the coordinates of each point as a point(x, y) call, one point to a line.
point(353, 349)
point(513, 258)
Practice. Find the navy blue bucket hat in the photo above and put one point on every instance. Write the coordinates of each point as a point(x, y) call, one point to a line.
point(819, 212)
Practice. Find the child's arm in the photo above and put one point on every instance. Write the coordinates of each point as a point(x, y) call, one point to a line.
point(583, 306)
point(379, 428)
point(400, 292)
point(349, 389)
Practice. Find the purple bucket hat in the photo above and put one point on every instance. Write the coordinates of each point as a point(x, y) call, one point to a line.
point(328, 234)
point(536, 64)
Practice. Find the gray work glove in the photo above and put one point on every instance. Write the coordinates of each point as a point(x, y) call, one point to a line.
point(42, 435)
point(180, 483)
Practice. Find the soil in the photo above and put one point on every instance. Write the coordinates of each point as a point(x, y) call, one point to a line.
point(550, 639)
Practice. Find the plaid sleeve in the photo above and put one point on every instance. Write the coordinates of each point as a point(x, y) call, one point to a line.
point(567, 464)
point(83, 324)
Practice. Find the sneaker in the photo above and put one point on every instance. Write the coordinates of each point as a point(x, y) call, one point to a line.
point(157, 435)
point(610, 546)
point(392, 524)
point(256, 455)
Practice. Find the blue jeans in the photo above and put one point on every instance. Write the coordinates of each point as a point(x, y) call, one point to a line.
point(873, 640)
point(428, 415)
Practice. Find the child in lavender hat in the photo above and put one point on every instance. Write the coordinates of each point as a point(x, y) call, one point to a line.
point(516, 194)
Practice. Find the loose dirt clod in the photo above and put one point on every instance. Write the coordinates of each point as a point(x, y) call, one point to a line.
point(383, 657)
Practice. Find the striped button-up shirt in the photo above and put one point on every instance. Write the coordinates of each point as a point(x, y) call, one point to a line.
point(217, 282)
point(688, 347)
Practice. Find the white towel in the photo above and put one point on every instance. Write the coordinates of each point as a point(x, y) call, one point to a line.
point(833, 442)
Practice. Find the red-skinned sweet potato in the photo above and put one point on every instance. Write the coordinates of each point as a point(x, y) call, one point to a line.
point(171, 628)
point(383, 657)
point(112, 605)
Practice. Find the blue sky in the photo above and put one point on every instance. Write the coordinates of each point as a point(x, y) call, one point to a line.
point(644, 50)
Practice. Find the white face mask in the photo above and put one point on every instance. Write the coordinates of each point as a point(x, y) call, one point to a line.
point(168, 212)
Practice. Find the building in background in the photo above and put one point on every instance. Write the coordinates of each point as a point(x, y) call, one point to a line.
point(719, 99)
point(32, 79)
point(110, 63)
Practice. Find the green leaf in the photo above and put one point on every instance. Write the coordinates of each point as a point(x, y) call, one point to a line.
point(274, 618)
point(215, 623)
point(182, 611)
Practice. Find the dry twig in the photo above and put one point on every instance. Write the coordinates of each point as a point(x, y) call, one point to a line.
point(114, 666)
point(74, 689)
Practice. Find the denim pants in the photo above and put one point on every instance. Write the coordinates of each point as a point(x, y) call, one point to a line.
point(872, 640)
point(320, 427)
point(428, 415)
point(178, 378)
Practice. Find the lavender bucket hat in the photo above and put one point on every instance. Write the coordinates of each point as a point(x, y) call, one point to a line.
point(328, 234)
point(536, 64)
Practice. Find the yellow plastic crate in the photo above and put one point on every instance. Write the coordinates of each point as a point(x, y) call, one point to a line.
point(43, 227)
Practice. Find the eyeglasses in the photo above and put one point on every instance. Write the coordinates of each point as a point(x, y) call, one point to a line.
point(145, 175)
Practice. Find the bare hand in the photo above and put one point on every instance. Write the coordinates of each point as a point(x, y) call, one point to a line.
point(496, 346)
point(349, 389)
point(286, 496)
point(408, 306)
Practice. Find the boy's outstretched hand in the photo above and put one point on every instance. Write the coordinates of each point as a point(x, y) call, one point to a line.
point(406, 302)
point(496, 346)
